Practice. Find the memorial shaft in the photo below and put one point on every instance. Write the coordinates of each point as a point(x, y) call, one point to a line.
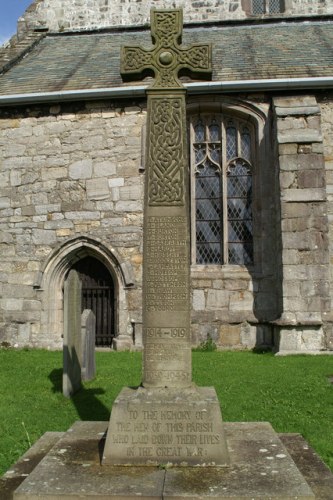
point(166, 275)
point(166, 261)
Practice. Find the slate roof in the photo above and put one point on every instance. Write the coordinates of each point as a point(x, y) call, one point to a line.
point(79, 61)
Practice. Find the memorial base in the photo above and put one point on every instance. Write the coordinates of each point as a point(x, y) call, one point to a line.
point(263, 465)
point(166, 427)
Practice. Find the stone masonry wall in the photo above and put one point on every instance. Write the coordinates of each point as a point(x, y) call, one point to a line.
point(59, 15)
point(73, 173)
point(326, 105)
point(65, 172)
point(304, 225)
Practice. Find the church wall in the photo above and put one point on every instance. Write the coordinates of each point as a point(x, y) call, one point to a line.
point(306, 301)
point(326, 105)
point(76, 171)
point(65, 172)
point(59, 15)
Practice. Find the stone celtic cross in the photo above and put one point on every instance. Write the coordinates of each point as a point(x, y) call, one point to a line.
point(166, 265)
point(169, 420)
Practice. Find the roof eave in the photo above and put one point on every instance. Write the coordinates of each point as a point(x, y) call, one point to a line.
point(139, 91)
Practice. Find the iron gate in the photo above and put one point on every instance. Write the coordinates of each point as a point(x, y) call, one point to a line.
point(98, 295)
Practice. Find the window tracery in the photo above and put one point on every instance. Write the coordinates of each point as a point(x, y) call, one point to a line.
point(222, 150)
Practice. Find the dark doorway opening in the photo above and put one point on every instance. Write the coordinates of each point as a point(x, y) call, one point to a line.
point(98, 295)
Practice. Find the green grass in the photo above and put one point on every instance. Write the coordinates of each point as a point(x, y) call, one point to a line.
point(293, 393)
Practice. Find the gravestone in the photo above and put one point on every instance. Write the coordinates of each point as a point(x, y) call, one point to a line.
point(71, 381)
point(168, 420)
point(88, 333)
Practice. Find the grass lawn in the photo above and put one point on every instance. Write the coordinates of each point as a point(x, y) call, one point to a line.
point(293, 393)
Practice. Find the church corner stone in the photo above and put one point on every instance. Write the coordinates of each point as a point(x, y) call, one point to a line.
point(168, 420)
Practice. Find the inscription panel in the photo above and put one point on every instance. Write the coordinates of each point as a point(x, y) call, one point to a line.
point(175, 430)
point(167, 268)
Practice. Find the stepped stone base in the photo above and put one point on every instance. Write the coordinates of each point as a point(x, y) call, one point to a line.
point(262, 465)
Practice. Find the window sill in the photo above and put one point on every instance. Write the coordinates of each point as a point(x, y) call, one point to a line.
point(223, 272)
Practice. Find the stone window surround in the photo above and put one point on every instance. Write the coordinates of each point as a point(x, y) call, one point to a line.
point(223, 121)
point(50, 282)
point(247, 7)
point(257, 117)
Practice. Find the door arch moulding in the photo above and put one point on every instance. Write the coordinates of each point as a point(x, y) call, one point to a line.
point(49, 283)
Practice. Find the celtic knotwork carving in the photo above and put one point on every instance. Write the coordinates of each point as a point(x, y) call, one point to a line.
point(135, 59)
point(166, 26)
point(167, 58)
point(196, 57)
point(166, 161)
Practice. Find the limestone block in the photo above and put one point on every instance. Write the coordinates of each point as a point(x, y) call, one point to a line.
point(24, 331)
point(248, 335)
point(288, 149)
point(44, 237)
point(229, 335)
point(299, 135)
point(306, 195)
point(116, 182)
point(241, 301)
point(128, 206)
point(15, 178)
point(295, 101)
point(11, 304)
point(53, 173)
point(97, 189)
point(83, 215)
point(122, 343)
point(4, 202)
point(198, 300)
point(301, 162)
point(131, 192)
point(58, 224)
point(81, 169)
point(294, 111)
point(104, 169)
point(300, 339)
point(287, 179)
point(217, 299)
point(311, 179)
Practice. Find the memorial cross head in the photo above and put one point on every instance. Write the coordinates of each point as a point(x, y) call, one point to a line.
point(167, 59)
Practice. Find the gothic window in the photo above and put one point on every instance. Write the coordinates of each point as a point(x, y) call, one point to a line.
point(221, 157)
point(267, 7)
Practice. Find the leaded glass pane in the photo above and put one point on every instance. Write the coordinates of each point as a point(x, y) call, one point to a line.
point(200, 153)
point(199, 132)
point(231, 145)
point(258, 7)
point(246, 144)
point(214, 132)
point(208, 214)
point(275, 6)
point(215, 153)
point(239, 203)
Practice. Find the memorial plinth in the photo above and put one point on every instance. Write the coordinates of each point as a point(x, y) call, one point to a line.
point(167, 426)
point(168, 420)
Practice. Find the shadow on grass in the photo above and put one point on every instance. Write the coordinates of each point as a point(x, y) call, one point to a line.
point(86, 402)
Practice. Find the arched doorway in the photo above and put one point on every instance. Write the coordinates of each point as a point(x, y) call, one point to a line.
point(98, 295)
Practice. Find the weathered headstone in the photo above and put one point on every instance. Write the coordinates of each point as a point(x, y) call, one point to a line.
point(168, 420)
point(71, 381)
point(88, 333)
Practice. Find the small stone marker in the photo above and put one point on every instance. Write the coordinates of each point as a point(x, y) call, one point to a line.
point(72, 349)
point(88, 332)
point(168, 420)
